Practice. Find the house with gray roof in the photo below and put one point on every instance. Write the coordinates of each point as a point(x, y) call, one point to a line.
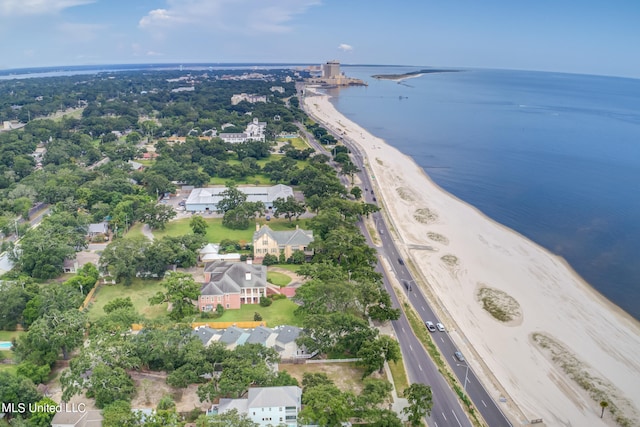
point(268, 241)
point(207, 199)
point(280, 338)
point(231, 285)
point(266, 406)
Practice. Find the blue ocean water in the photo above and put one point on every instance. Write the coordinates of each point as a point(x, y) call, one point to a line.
point(553, 156)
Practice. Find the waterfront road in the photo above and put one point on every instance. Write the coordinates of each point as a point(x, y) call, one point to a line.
point(419, 365)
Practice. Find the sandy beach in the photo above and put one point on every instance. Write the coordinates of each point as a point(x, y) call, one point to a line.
point(560, 332)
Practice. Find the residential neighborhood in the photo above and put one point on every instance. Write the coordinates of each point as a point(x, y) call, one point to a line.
point(152, 226)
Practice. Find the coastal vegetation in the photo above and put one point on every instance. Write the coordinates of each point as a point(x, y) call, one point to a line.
point(425, 215)
point(437, 237)
point(599, 389)
point(500, 305)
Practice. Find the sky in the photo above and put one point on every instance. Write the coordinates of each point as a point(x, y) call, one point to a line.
point(575, 36)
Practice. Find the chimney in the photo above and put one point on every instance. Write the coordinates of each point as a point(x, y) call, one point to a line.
point(247, 275)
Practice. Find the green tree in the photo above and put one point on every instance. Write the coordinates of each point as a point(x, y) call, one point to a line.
point(118, 414)
point(326, 405)
point(198, 225)
point(288, 207)
point(603, 405)
point(53, 333)
point(420, 401)
point(108, 384)
point(374, 353)
point(117, 304)
point(356, 192)
point(181, 291)
point(14, 299)
point(231, 199)
point(240, 217)
point(43, 419)
point(122, 258)
point(16, 390)
point(229, 419)
point(157, 216)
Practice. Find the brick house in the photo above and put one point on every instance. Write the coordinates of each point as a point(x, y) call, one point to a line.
point(232, 284)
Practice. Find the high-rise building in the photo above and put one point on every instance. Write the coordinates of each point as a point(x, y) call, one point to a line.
point(331, 69)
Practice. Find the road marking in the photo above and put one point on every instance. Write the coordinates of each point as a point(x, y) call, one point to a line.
point(403, 329)
point(422, 307)
point(441, 339)
point(420, 367)
point(410, 347)
point(485, 405)
point(445, 417)
point(454, 415)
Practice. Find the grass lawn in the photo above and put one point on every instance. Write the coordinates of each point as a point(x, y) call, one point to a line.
point(9, 335)
point(135, 230)
point(258, 179)
point(12, 369)
point(278, 279)
point(278, 313)
point(216, 232)
point(399, 376)
point(290, 267)
point(297, 143)
point(139, 291)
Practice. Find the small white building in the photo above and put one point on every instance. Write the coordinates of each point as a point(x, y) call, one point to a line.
point(251, 98)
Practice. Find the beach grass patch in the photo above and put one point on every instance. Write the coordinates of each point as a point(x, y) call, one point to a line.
point(425, 216)
point(621, 409)
point(436, 237)
point(405, 194)
point(451, 260)
point(379, 162)
point(500, 305)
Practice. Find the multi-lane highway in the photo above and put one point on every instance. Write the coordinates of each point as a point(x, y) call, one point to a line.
point(420, 368)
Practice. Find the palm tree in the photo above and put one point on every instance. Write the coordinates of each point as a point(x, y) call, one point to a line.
point(603, 405)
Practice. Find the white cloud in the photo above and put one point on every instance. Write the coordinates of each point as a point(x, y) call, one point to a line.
point(253, 16)
point(345, 47)
point(37, 7)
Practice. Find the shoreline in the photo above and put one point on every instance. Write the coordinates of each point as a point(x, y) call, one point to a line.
point(600, 335)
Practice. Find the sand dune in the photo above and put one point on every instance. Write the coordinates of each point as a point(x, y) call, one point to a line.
point(554, 327)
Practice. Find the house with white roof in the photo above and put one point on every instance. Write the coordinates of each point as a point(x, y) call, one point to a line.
point(211, 253)
point(207, 199)
point(266, 406)
point(253, 132)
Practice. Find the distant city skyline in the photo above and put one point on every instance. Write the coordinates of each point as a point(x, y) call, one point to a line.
point(587, 37)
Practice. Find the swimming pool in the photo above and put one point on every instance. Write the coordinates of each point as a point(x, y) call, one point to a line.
point(5, 345)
